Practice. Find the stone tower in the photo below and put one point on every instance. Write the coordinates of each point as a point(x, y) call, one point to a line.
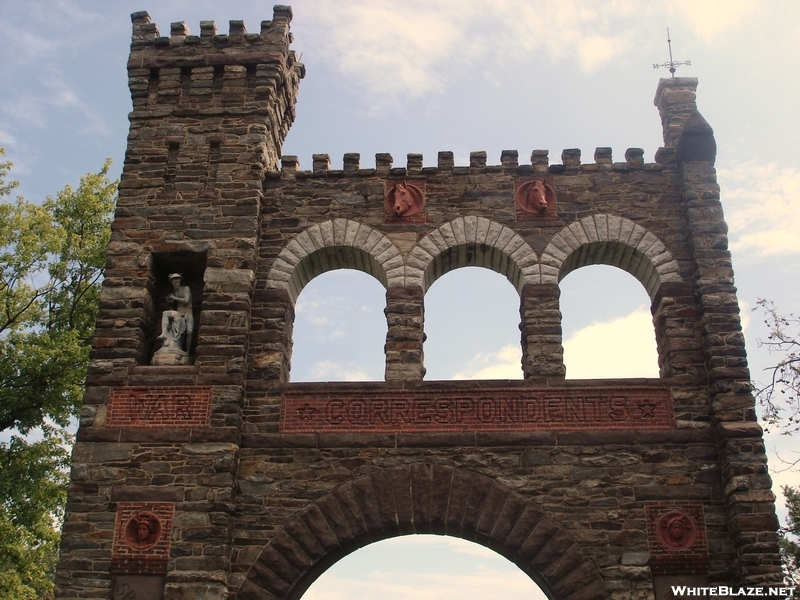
point(207, 474)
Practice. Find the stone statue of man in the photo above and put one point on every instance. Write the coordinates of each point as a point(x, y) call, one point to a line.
point(177, 325)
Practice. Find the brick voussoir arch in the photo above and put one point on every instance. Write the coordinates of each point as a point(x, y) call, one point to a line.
point(422, 498)
point(336, 244)
point(610, 240)
point(472, 241)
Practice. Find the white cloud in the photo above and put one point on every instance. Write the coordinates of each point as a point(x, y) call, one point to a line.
point(400, 52)
point(26, 108)
point(762, 202)
point(624, 347)
point(329, 370)
point(712, 17)
point(6, 137)
point(503, 364)
point(325, 314)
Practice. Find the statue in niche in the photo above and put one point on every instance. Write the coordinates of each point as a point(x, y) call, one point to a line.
point(177, 326)
point(676, 530)
point(535, 196)
point(404, 200)
point(142, 531)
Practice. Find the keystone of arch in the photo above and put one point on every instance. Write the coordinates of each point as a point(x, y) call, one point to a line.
point(472, 241)
point(336, 244)
point(422, 498)
point(610, 240)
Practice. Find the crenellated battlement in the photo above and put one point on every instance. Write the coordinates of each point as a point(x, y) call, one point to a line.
point(509, 162)
point(147, 35)
point(213, 70)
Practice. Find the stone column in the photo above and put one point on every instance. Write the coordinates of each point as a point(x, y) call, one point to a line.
point(542, 351)
point(271, 326)
point(747, 485)
point(751, 519)
point(405, 317)
point(681, 357)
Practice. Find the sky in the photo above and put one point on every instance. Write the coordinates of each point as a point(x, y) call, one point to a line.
point(459, 75)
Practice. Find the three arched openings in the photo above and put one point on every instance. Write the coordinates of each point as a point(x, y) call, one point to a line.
point(474, 241)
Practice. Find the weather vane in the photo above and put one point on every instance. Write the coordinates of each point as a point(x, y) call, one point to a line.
point(672, 64)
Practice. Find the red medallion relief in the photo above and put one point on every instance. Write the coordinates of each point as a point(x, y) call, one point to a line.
point(143, 531)
point(404, 201)
point(142, 537)
point(676, 530)
point(677, 537)
point(535, 199)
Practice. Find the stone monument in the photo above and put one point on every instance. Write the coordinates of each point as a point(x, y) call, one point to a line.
point(177, 326)
point(221, 479)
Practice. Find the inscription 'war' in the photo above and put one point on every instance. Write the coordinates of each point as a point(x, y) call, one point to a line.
point(153, 407)
point(498, 410)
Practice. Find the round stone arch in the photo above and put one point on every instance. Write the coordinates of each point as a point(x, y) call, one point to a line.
point(472, 241)
point(610, 240)
point(422, 498)
point(336, 244)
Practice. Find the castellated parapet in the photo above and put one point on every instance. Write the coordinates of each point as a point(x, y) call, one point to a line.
point(220, 479)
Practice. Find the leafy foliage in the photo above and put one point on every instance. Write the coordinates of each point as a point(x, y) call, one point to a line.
point(51, 264)
point(790, 550)
point(33, 491)
point(780, 398)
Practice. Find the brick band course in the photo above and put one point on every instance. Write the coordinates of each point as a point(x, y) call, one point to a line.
point(494, 410)
point(159, 407)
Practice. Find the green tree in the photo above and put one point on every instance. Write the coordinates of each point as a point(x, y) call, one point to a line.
point(790, 550)
point(51, 264)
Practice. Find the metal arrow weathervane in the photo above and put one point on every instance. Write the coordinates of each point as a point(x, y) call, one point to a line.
point(672, 64)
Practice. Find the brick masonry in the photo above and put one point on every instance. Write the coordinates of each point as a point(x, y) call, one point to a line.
point(666, 559)
point(151, 557)
point(498, 409)
point(259, 484)
point(157, 407)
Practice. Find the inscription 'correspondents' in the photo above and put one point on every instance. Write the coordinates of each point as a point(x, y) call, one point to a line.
point(477, 410)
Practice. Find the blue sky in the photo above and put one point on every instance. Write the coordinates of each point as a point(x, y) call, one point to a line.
point(460, 75)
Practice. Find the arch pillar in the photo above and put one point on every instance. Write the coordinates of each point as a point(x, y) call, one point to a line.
point(405, 317)
point(272, 324)
point(680, 341)
point(542, 349)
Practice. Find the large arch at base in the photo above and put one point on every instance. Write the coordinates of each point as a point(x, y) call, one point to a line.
point(422, 498)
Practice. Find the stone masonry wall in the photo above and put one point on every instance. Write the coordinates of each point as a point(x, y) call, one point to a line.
point(222, 479)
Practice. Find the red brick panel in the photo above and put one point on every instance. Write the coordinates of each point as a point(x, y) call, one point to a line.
point(500, 409)
point(684, 550)
point(159, 407)
point(141, 537)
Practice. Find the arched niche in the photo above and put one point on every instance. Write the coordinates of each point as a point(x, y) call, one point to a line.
point(616, 241)
point(422, 498)
point(610, 240)
point(336, 244)
point(472, 326)
point(472, 241)
point(339, 328)
point(607, 325)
